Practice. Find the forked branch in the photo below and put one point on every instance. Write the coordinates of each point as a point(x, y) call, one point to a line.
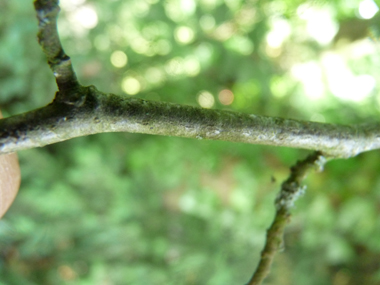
point(79, 111)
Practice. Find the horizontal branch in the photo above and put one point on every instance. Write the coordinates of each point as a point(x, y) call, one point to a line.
point(79, 111)
point(100, 112)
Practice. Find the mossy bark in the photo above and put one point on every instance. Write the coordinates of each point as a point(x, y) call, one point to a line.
point(98, 112)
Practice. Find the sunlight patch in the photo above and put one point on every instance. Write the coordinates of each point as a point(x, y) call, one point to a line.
point(205, 99)
point(368, 9)
point(131, 85)
point(119, 59)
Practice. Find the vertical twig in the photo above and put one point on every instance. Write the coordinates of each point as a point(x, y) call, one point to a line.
point(60, 63)
point(291, 189)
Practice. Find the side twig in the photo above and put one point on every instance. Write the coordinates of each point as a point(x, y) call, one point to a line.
point(291, 189)
point(59, 62)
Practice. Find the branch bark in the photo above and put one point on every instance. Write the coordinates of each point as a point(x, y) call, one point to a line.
point(290, 191)
point(59, 62)
point(79, 111)
point(100, 112)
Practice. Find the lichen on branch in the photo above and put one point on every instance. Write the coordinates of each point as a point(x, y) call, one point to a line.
point(99, 112)
point(290, 191)
point(78, 111)
point(59, 62)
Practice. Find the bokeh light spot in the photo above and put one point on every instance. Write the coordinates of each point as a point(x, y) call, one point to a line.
point(204, 53)
point(154, 75)
point(226, 97)
point(224, 31)
point(343, 83)
point(191, 66)
point(321, 26)
point(207, 22)
point(310, 74)
point(131, 85)
point(279, 32)
point(205, 99)
point(140, 45)
point(119, 59)
point(240, 44)
point(174, 67)
point(184, 35)
point(140, 8)
point(368, 9)
point(86, 16)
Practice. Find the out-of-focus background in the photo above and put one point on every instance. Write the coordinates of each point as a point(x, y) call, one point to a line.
point(137, 209)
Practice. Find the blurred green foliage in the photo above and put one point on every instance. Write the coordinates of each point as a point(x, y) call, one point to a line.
point(138, 209)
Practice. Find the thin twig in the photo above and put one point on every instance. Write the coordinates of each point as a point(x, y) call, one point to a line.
point(59, 61)
point(291, 189)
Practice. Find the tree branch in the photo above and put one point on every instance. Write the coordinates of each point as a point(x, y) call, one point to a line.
point(291, 189)
point(59, 62)
point(79, 111)
point(102, 112)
